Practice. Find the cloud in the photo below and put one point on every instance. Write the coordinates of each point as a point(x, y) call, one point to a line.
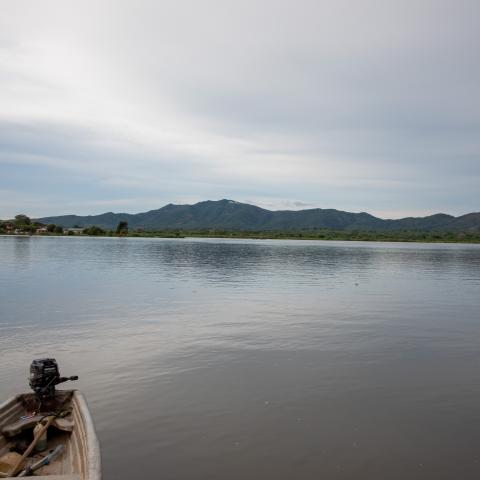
point(357, 106)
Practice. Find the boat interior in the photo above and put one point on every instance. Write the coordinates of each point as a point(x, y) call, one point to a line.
point(61, 454)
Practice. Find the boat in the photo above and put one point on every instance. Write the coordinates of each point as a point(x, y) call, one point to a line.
point(48, 433)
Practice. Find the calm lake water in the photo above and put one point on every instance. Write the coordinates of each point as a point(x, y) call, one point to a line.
point(213, 359)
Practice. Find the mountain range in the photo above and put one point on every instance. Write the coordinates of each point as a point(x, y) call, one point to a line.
point(232, 215)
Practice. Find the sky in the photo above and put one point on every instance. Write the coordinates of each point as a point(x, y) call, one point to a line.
point(126, 106)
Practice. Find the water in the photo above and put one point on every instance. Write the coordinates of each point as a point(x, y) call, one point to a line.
point(213, 359)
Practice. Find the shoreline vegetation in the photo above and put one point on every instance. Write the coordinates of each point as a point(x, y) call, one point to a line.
point(23, 225)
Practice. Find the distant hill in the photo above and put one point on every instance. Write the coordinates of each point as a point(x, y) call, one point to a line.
point(231, 215)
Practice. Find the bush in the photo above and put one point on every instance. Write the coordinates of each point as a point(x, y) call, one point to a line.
point(94, 230)
point(122, 227)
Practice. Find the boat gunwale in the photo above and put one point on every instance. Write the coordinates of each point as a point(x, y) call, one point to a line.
point(94, 463)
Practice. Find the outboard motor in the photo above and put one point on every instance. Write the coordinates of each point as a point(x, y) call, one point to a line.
point(44, 375)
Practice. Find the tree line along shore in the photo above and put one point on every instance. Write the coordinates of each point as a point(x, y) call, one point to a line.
point(23, 225)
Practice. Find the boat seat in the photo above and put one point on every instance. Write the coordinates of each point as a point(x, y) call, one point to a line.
point(15, 428)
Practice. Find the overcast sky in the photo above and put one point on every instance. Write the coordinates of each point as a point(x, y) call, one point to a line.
point(126, 106)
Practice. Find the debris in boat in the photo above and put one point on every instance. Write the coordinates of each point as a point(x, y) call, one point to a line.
point(26, 417)
point(7, 462)
point(43, 461)
point(20, 445)
point(42, 439)
point(17, 467)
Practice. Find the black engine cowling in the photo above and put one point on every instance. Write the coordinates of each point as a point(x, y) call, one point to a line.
point(44, 376)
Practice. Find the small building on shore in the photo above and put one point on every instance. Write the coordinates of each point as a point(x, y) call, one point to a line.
point(72, 231)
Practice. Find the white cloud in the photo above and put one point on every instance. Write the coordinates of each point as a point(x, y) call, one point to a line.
point(342, 104)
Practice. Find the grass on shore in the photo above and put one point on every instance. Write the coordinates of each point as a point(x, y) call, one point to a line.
point(321, 234)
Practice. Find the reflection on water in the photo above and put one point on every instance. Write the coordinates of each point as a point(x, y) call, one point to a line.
point(256, 359)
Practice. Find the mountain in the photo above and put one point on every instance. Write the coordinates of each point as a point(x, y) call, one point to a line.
point(231, 215)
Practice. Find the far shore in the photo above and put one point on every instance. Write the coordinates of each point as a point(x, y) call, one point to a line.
point(397, 237)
